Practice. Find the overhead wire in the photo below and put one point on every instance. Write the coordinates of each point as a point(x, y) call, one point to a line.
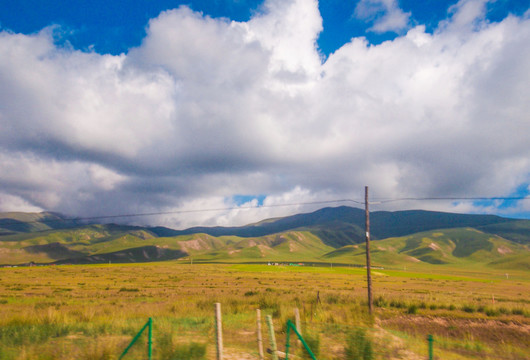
point(260, 206)
point(384, 201)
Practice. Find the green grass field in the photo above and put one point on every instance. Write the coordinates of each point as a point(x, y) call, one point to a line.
point(93, 311)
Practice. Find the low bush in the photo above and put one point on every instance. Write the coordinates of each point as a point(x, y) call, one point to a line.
point(359, 346)
point(491, 312)
point(380, 302)
point(469, 308)
point(517, 311)
point(412, 309)
point(398, 304)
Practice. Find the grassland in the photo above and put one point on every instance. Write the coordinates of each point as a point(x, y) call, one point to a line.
point(93, 311)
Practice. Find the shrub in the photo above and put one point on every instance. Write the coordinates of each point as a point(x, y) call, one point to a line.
point(491, 312)
point(359, 346)
point(412, 309)
point(398, 304)
point(469, 308)
point(504, 310)
point(124, 289)
point(380, 302)
point(517, 311)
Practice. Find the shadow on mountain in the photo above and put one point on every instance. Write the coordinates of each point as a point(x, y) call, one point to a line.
point(133, 255)
point(14, 226)
point(54, 251)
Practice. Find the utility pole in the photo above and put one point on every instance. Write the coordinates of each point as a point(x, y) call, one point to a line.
point(368, 272)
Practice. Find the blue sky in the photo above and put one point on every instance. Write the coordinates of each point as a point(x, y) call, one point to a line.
point(113, 107)
point(116, 26)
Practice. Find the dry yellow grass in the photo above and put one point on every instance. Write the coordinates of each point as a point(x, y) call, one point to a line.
point(92, 312)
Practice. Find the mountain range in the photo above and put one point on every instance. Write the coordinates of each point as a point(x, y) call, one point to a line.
point(334, 234)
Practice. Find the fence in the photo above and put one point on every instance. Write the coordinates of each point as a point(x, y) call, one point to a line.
point(148, 325)
point(275, 353)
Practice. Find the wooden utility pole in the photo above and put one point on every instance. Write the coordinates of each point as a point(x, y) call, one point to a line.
point(368, 272)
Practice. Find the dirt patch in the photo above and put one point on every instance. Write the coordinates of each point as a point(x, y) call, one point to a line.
point(504, 250)
point(263, 249)
point(434, 246)
point(397, 349)
point(292, 247)
point(299, 236)
point(234, 354)
point(195, 244)
point(484, 330)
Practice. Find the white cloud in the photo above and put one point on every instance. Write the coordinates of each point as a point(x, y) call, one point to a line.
point(207, 108)
point(9, 202)
point(223, 211)
point(385, 15)
point(104, 178)
point(467, 13)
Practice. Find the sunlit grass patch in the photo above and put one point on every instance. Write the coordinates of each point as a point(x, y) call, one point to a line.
point(94, 315)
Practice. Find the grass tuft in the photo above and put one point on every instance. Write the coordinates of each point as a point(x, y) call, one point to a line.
point(359, 346)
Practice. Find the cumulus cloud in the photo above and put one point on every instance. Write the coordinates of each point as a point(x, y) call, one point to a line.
point(385, 15)
point(206, 109)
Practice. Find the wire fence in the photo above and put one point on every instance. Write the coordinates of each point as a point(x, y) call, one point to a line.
point(358, 346)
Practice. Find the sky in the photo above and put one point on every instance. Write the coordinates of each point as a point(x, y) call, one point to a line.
point(228, 112)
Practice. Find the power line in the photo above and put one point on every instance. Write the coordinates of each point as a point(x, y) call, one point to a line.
point(323, 202)
point(80, 219)
point(384, 201)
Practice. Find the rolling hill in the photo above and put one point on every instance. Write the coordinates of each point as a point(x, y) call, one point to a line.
point(457, 247)
point(326, 235)
point(19, 222)
point(345, 225)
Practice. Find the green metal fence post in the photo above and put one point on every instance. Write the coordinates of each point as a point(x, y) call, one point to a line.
point(430, 340)
point(136, 338)
point(287, 343)
point(150, 339)
point(291, 325)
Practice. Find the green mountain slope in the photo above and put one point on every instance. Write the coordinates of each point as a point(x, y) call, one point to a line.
point(461, 247)
point(293, 246)
point(52, 245)
point(344, 225)
point(330, 234)
point(19, 222)
point(518, 231)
